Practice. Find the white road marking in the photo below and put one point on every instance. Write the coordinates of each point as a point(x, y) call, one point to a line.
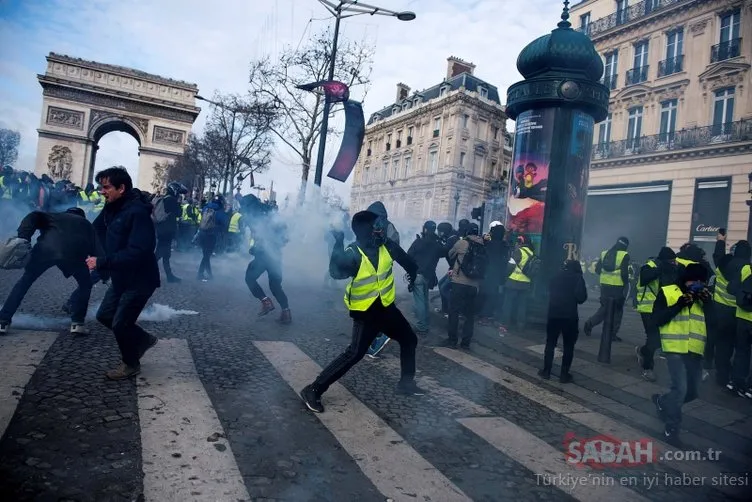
point(548, 463)
point(177, 418)
point(580, 414)
point(20, 354)
point(393, 466)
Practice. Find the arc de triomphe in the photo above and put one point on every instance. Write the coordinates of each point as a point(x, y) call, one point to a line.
point(84, 100)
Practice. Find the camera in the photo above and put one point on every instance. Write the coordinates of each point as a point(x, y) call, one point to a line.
point(696, 288)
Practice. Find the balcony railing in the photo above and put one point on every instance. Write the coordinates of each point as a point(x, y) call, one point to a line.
point(631, 13)
point(726, 50)
point(730, 132)
point(637, 75)
point(610, 81)
point(670, 66)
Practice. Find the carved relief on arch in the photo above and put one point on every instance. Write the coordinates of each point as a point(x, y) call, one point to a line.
point(60, 163)
point(98, 117)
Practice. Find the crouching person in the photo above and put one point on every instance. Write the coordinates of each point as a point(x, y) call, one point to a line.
point(567, 290)
point(679, 313)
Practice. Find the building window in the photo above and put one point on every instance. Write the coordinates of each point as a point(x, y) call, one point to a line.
point(405, 105)
point(621, 11)
point(634, 127)
point(399, 139)
point(585, 23)
point(395, 169)
point(388, 142)
point(639, 71)
point(674, 61)
point(668, 120)
point(604, 131)
point(436, 126)
point(385, 171)
point(462, 159)
point(433, 162)
point(650, 5)
point(370, 145)
point(483, 92)
point(406, 167)
point(609, 76)
point(443, 91)
point(482, 129)
point(495, 132)
point(723, 111)
point(477, 165)
point(729, 45)
point(410, 135)
point(465, 120)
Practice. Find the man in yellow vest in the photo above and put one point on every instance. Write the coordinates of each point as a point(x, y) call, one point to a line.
point(234, 231)
point(656, 273)
point(741, 287)
point(369, 297)
point(518, 286)
point(613, 273)
point(679, 313)
point(724, 328)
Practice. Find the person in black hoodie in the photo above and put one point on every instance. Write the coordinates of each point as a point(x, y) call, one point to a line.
point(613, 272)
point(370, 299)
point(167, 228)
point(426, 251)
point(497, 251)
point(728, 266)
point(566, 291)
point(65, 240)
point(449, 240)
point(126, 231)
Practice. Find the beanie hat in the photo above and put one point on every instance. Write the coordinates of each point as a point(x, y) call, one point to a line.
point(77, 211)
point(742, 250)
point(666, 254)
point(624, 241)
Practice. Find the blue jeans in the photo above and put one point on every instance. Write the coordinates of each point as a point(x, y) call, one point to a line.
point(686, 373)
point(420, 296)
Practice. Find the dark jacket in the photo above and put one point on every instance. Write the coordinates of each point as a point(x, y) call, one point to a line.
point(127, 234)
point(65, 239)
point(379, 210)
point(665, 272)
point(221, 219)
point(345, 262)
point(731, 266)
point(566, 291)
point(426, 251)
point(169, 227)
point(696, 254)
point(497, 251)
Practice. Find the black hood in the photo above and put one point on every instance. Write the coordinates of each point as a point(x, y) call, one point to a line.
point(497, 233)
point(743, 251)
point(692, 252)
point(362, 226)
point(573, 266)
point(378, 209)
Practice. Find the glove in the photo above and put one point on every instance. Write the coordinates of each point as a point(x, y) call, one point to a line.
point(705, 295)
point(686, 300)
point(338, 235)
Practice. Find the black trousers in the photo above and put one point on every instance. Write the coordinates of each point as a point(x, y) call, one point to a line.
point(119, 312)
point(79, 302)
point(388, 320)
point(164, 252)
point(742, 350)
point(273, 269)
point(568, 330)
point(724, 330)
point(462, 301)
point(208, 242)
point(652, 341)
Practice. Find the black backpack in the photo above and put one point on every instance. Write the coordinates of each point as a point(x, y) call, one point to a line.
point(532, 267)
point(475, 261)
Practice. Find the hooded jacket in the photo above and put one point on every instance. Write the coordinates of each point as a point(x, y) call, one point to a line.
point(379, 210)
point(566, 291)
point(426, 251)
point(345, 262)
point(608, 263)
point(498, 257)
point(168, 228)
point(731, 265)
point(457, 254)
point(126, 231)
point(65, 239)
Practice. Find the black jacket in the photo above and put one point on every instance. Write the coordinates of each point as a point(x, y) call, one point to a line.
point(497, 251)
point(665, 272)
point(126, 231)
point(731, 268)
point(566, 291)
point(426, 251)
point(65, 239)
point(608, 262)
point(169, 227)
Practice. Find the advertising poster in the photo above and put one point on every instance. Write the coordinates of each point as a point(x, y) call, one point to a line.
point(526, 201)
point(577, 176)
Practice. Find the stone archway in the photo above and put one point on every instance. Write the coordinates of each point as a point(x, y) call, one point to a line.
point(84, 100)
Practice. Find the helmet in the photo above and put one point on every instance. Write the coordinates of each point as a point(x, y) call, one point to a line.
point(174, 188)
point(494, 224)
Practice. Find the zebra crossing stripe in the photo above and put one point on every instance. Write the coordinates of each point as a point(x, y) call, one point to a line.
point(580, 414)
point(20, 354)
point(393, 466)
point(185, 453)
point(547, 463)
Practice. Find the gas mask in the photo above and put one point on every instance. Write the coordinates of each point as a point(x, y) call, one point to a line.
point(378, 235)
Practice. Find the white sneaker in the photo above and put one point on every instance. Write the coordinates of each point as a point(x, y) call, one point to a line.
point(78, 329)
point(705, 375)
point(4, 326)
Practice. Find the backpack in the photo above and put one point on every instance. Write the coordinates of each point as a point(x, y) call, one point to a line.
point(159, 215)
point(475, 261)
point(532, 267)
point(15, 254)
point(208, 219)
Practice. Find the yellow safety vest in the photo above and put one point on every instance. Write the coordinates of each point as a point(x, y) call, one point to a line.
point(685, 262)
point(612, 278)
point(234, 226)
point(517, 274)
point(721, 294)
point(370, 284)
point(6, 191)
point(646, 297)
point(741, 313)
point(686, 332)
point(188, 211)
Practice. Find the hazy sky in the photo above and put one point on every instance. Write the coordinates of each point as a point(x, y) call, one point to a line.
point(212, 43)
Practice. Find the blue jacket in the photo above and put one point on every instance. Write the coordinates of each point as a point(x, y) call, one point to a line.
point(221, 219)
point(126, 232)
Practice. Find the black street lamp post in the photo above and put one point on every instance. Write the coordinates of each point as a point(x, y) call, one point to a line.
point(749, 204)
point(342, 10)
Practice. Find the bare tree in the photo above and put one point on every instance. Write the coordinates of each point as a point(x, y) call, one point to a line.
point(192, 168)
point(9, 141)
point(237, 140)
point(298, 123)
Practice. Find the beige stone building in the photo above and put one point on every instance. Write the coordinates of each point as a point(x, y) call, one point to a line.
point(437, 153)
point(672, 161)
